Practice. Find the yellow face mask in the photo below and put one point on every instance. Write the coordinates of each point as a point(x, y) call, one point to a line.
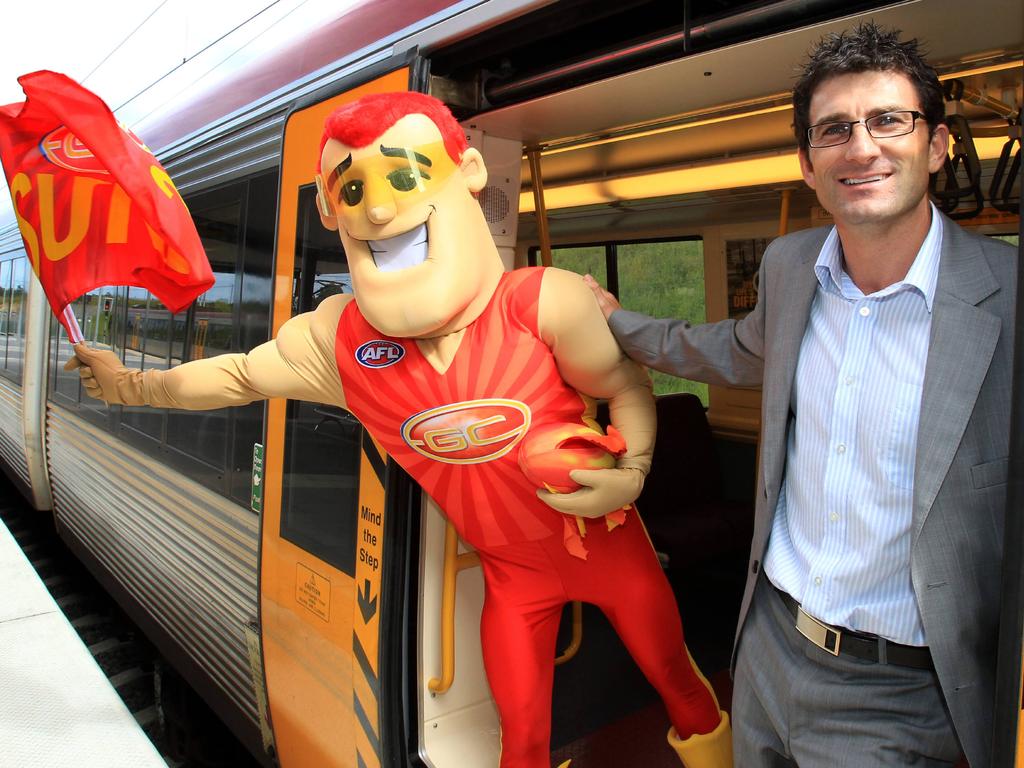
point(399, 176)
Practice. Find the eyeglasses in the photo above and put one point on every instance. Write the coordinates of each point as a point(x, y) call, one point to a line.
point(887, 125)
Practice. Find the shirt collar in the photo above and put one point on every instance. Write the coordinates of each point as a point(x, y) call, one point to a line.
point(923, 274)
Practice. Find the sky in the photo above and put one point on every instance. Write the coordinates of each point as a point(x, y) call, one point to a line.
point(139, 54)
point(115, 47)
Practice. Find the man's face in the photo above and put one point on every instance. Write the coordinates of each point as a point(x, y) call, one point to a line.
point(868, 181)
point(407, 218)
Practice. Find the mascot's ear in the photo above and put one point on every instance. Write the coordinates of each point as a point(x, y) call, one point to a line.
point(473, 170)
point(328, 214)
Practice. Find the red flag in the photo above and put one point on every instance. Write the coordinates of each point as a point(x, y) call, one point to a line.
point(93, 204)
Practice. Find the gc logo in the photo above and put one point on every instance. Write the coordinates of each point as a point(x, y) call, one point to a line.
point(470, 432)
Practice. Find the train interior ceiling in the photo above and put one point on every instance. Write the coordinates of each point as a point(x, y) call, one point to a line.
point(694, 140)
point(701, 146)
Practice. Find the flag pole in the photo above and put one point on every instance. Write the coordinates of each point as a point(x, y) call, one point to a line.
point(71, 325)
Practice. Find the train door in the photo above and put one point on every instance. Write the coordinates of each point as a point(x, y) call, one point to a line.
point(323, 499)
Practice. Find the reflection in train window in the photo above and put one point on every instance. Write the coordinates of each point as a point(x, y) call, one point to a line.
point(235, 224)
point(13, 276)
point(663, 278)
point(320, 493)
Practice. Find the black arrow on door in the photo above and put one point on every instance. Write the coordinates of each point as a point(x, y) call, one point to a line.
point(367, 607)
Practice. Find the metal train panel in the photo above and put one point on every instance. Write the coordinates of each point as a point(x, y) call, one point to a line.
point(12, 433)
point(244, 151)
point(186, 554)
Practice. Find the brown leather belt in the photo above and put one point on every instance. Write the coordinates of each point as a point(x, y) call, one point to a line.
point(837, 640)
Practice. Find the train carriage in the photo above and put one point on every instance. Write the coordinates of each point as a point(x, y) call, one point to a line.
point(290, 571)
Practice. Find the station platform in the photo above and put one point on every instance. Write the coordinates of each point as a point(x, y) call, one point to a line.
point(57, 708)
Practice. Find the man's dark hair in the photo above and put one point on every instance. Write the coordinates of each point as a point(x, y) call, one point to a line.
point(868, 48)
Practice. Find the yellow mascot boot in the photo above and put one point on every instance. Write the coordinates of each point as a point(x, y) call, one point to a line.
point(705, 750)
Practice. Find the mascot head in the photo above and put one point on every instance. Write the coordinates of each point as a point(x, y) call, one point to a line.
point(398, 182)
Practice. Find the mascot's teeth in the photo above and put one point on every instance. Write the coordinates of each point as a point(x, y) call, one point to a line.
point(401, 251)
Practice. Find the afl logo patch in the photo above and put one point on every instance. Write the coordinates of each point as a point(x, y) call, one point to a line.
point(379, 353)
point(471, 432)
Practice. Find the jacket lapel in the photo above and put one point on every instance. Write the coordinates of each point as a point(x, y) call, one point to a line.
point(963, 339)
point(794, 297)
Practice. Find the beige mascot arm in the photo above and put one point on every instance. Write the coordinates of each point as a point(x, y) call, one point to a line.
point(299, 363)
point(590, 360)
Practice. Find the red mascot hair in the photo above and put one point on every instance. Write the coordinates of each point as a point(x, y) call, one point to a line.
point(358, 123)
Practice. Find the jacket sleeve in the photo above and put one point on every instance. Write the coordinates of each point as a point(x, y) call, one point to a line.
point(728, 352)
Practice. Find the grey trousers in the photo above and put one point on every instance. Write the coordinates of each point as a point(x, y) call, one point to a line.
point(797, 705)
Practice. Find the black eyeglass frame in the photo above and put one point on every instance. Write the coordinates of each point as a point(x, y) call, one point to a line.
point(914, 115)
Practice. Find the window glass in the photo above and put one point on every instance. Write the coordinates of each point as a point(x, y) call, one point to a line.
point(253, 323)
point(665, 279)
point(16, 331)
point(65, 383)
point(98, 312)
point(587, 260)
point(5, 308)
point(236, 226)
point(143, 313)
point(204, 434)
point(320, 493)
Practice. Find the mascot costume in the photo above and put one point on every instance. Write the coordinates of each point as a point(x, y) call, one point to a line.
point(398, 183)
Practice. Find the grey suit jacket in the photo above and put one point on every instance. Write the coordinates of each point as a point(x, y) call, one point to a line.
point(963, 439)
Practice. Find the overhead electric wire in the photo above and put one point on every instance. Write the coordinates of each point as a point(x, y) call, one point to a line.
point(129, 37)
point(203, 50)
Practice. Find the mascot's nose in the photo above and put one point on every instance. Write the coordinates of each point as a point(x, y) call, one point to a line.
point(380, 214)
point(380, 202)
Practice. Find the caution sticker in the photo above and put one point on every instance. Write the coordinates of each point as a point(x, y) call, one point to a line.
point(313, 591)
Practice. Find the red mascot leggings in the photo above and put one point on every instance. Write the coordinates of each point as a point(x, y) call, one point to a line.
point(528, 584)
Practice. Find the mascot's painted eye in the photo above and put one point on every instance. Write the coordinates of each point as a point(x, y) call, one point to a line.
point(352, 192)
point(405, 179)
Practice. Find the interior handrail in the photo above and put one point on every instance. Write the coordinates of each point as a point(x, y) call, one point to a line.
point(455, 562)
point(1002, 192)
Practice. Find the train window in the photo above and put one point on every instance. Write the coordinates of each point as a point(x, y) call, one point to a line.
point(664, 278)
point(14, 331)
point(319, 503)
point(145, 349)
point(235, 224)
point(586, 260)
point(5, 306)
point(218, 218)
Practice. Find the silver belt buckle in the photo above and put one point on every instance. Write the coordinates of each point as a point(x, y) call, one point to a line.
point(822, 635)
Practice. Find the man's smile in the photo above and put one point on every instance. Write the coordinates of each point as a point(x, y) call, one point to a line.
point(868, 180)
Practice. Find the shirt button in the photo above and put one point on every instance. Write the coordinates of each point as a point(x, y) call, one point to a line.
point(841, 448)
point(833, 517)
point(848, 380)
point(817, 581)
point(864, 311)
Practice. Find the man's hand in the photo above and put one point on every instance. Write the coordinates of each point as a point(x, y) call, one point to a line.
point(606, 301)
point(105, 378)
point(603, 491)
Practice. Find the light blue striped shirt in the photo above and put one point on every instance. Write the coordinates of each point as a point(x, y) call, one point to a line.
point(840, 541)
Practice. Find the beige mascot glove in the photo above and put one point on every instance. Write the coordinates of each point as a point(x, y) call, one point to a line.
point(603, 491)
point(105, 377)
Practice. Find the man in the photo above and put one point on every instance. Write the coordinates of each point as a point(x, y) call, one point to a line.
point(485, 358)
point(867, 630)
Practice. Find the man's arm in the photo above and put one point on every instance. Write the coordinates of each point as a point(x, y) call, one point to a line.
point(590, 361)
point(299, 363)
point(726, 353)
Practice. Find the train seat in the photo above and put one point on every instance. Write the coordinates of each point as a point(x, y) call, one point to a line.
point(684, 503)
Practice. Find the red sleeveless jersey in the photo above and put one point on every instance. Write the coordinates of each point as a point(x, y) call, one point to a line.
point(458, 433)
